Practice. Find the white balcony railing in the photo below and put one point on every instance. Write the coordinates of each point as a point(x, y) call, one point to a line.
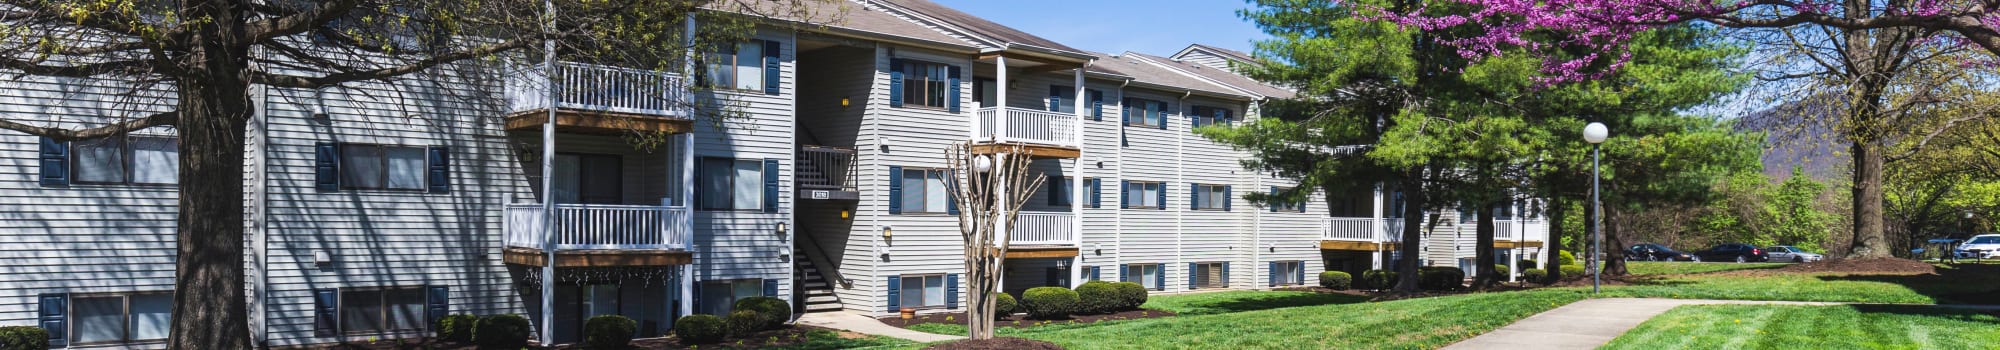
point(597, 88)
point(1022, 125)
point(599, 226)
point(1525, 229)
point(1043, 229)
point(1352, 229)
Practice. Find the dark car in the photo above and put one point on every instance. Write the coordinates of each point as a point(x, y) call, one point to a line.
point(1655, 252)
point(1737, 252)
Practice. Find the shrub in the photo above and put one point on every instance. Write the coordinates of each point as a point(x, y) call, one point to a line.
point(1378, 279)
point(1500, 270)
point(501, 332)
point(1529, 264)
point(1440, 278)
point(1572, 272)
point(700, 329)
point(1336, 280)
point(742, 323)
point(774, 310)
point(1048, 302)
point(1098, 297)
point(1535, 275)
point(609, 331)
point(1131, 295)
point(23, 338)
point(456, 328)
point(1564, 257)
point(1004, 305)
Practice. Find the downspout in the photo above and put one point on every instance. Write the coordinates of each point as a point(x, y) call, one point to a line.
point(1118, 216)
point(260, 200)
point(1180, 175)
point(1257, 217)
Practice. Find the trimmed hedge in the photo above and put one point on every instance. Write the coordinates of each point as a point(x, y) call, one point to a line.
point(1098, 297)
point(1378, 279)
point(1529, 264)
point(1572, 272)
point(1566, 258)
point(1440, 278)
point(774, 310)
point(456, 328)
point(1336, 280)
point(1131, 295)
point(23, 338)
point(1004, 305)
point(1500, 270)
point(609, 331)
point(742, 323)
point(1049, 302)
point(1535, 275)
point(501, 332)
point(700, 329)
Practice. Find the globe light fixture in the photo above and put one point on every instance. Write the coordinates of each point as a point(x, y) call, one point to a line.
point(1595, 133)
point(982, 164)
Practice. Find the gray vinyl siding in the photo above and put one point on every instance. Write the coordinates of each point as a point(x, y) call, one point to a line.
point(731, 245)
point(825, 77)
point(909, 137)
point(1205, 58)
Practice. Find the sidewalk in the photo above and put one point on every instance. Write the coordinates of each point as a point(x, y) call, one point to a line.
point(1587, 324)
point(858, 323)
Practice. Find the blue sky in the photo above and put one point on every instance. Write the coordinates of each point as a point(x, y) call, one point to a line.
point(1159, 27)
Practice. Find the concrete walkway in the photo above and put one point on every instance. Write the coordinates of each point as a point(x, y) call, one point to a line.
point(1587, 324)
point(858, 323)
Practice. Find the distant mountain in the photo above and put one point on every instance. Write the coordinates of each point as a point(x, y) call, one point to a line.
point(1800, 134)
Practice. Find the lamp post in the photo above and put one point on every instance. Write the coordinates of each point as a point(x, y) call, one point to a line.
point(1595, 134)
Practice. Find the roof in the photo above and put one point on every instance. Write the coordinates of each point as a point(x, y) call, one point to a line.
point(1225, 77)
point(845, 15)
point(975, 26)
point(1232, 55)
point(1129, 65)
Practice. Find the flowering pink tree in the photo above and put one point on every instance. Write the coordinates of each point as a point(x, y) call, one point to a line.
point(1874, 71)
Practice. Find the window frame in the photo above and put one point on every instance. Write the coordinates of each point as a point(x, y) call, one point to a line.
point(1149, 120)
point(756, 284)
point(1142, 278)
point(1209, 193)
point(735, 58)
point(922, 285)
point(922, 207)
point(731, 205)
point(125, 318)
point(423, 153)
point(1291, 270)
point(387, 316)
point(1207, 268)
point(127, 162)
point(1061, 190)
point(1142, 195)
point(919, 86)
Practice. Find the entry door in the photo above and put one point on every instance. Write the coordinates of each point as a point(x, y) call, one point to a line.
point(589, 178)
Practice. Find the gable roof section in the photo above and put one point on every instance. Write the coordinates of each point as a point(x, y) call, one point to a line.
point(995, 34)
point(1220, 76)
point(844, 17)
point(1227, 54)
point(1161, 78)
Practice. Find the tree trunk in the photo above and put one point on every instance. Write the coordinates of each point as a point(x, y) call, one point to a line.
point(1413, 222)
point(214, 101)
point(1614, 254)
point(1482, 257)
point(1552, 264)
point(1869, 241)
point(980, 312)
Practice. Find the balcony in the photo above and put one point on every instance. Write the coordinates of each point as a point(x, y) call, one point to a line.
point(1042, 235)
point(1364, 234)
point(1039, 133)
point(827, 173)
point(598, 235)
point(1519, 233)
point(593, 98)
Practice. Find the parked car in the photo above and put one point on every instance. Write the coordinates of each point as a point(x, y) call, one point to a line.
point(1792, 254)
point(1737, 252)
point(1980, 247)
point(1655, 252)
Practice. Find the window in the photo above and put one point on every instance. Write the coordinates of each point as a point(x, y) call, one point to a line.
point(127, 160)
point(1204, 115)
point(731, 184)
point(120, 318)
point(1142, 194)
point(381, 310)
point(1058, 191)
point(1211, 197)
point(1061, 99)
point(922, 291)
point(717, 297)
point(1143, 112)
point(1288, 272)
point(379, 167)
point(738, 67)
point(1295, 206)
point(925, 84)
point(983, 92)
point(924, 191)
point(1146, 274)
point(1210, 275)
point(1093, 273)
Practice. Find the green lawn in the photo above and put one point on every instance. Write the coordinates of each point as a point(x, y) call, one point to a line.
point(1922, 289)
point(1813, 327)
point(1688, 268)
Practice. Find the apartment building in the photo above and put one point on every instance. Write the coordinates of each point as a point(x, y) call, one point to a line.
point(489, 188)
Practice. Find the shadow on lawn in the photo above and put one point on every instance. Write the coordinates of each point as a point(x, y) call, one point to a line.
point(1957, 284)
point(1265, 302)
point(1954, 314)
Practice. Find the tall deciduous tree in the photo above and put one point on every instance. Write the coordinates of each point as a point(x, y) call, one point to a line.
point(991, 189)
point(208, 54)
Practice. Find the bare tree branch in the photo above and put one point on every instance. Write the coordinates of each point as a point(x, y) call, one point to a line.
point(61, 134)
point(305, 82)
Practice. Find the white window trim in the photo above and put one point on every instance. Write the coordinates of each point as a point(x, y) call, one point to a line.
point(125, 320)
point(732, 204)
point(422, 171)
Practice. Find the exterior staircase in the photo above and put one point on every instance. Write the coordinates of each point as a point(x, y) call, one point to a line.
point(814, 289)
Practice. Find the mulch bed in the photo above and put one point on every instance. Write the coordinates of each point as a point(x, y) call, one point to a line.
point(1385, 295)
point(1873, 266)
point(997, 343)
point(788, 336)
point(1021, 321)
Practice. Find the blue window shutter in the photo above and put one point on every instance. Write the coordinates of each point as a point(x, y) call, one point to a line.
point(771, 288)
point(1274, 274)
point(895, 83)
point(951, 89)
point(1194, 117)
point(1097, 273)
point(1160, 279)
point(1124, 273)
point(1194, 196)
point(1055, 98)
point(437, 303)
point(1096, 193)
point(326, 312)
point(54, 318)
point(1193, 270)
point(1096, 104)
point(895, 293)
point(1163, 197)
point(326, 168)
point(770, 185)
point(1124, 191)
point(1160, 109)
point(1222, 115)
point(1225, 274)
point(951, 291)
point(771, 48)
point(440, 169)
point(951, 199)
point(1300, 275)
point(55, 163)
point(1274, 204)
point(895, 189)
point(1227, 198)
point(1126, 106)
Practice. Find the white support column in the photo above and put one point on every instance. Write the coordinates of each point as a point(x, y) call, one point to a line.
point(1381, 227)
point(548, 293)
point(686, 301)
point(1000, 98)
point(1076, 203)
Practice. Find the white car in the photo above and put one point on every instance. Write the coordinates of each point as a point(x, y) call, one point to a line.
point(1785, 253)
point(1980, 247)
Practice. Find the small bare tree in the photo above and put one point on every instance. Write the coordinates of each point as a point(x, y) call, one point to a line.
point(991, 190)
